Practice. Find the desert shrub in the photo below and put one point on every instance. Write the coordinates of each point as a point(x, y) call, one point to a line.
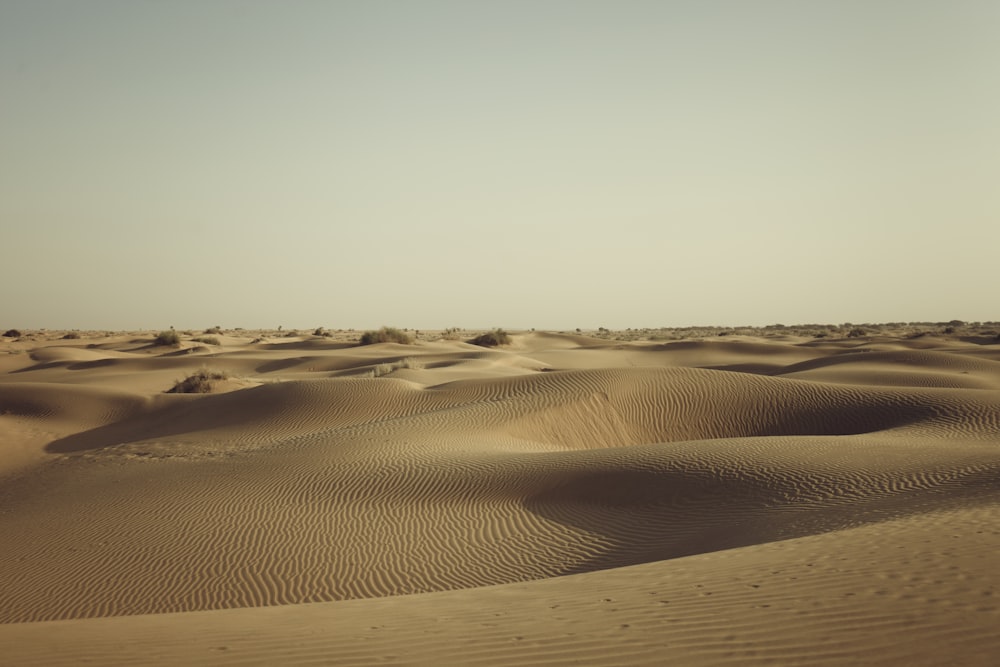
point(386, 368)
point(380, 370)
point(207, 340)
point(199, 382)
point(168, 337)
point(492, 338)
point(213, 330)
point(949, 330)
point(12, 333)
point(856, 332)
point(320, 331)
point(72, 335)
point(386, 335)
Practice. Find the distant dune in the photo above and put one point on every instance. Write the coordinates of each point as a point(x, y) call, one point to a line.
point(762, 497)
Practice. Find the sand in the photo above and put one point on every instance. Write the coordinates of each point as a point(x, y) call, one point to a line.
point(565, 499)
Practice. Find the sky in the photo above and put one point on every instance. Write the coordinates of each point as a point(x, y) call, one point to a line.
point(550, 164)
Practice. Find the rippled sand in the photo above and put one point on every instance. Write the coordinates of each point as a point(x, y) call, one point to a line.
point(562, 500)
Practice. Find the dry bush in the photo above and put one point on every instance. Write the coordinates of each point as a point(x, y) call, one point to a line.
point(386, 368)
point(199, 382)
point(207, 340)
point(493, 338)
point(386, 335)
point(168, 337)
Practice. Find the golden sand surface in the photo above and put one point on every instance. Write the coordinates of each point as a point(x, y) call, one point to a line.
point(758, 498)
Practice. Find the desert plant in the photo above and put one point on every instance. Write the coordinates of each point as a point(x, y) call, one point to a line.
point(380, 370)
point(386, 335)
point(199, 382)
point(856, 332)
point(213, 330)
point(207, 340)
point(168, 337)
point(492, 338)
point(72, 335)
point(12, 333)
point(386, 368)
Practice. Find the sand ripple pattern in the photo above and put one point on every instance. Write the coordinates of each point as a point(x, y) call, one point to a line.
point(339, 488)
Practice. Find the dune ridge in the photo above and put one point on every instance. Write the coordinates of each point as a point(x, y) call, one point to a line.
point(468, 480)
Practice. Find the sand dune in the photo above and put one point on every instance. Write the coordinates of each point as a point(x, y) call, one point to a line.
point(560, 500)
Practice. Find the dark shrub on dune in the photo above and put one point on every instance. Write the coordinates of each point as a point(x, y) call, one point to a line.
point(207, 340)
point(198, 383)
point(493, 338)
point(169, 337)
point(386, 335)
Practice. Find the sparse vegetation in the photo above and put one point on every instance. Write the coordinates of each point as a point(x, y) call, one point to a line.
point(493, 338)
point(320, 331)
point(386, 335)
point(207, 340)
point(168, 337)
point(214, 330)
point(72, 335)
point(12, 333)
point(856, 332)
point(199, 382)
point(386, 368)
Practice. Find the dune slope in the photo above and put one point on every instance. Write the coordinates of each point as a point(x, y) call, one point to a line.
point(740, 502)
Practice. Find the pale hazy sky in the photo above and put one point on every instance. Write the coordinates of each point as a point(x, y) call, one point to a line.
point(549, 164)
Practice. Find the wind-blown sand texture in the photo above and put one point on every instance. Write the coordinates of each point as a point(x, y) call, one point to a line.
point(562, 500)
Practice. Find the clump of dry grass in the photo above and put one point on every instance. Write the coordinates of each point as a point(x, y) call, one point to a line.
point(493, 338)
point(207, 340)
point(200, 382)
point(386, 335)
point(386, 368)
point(168, 337)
